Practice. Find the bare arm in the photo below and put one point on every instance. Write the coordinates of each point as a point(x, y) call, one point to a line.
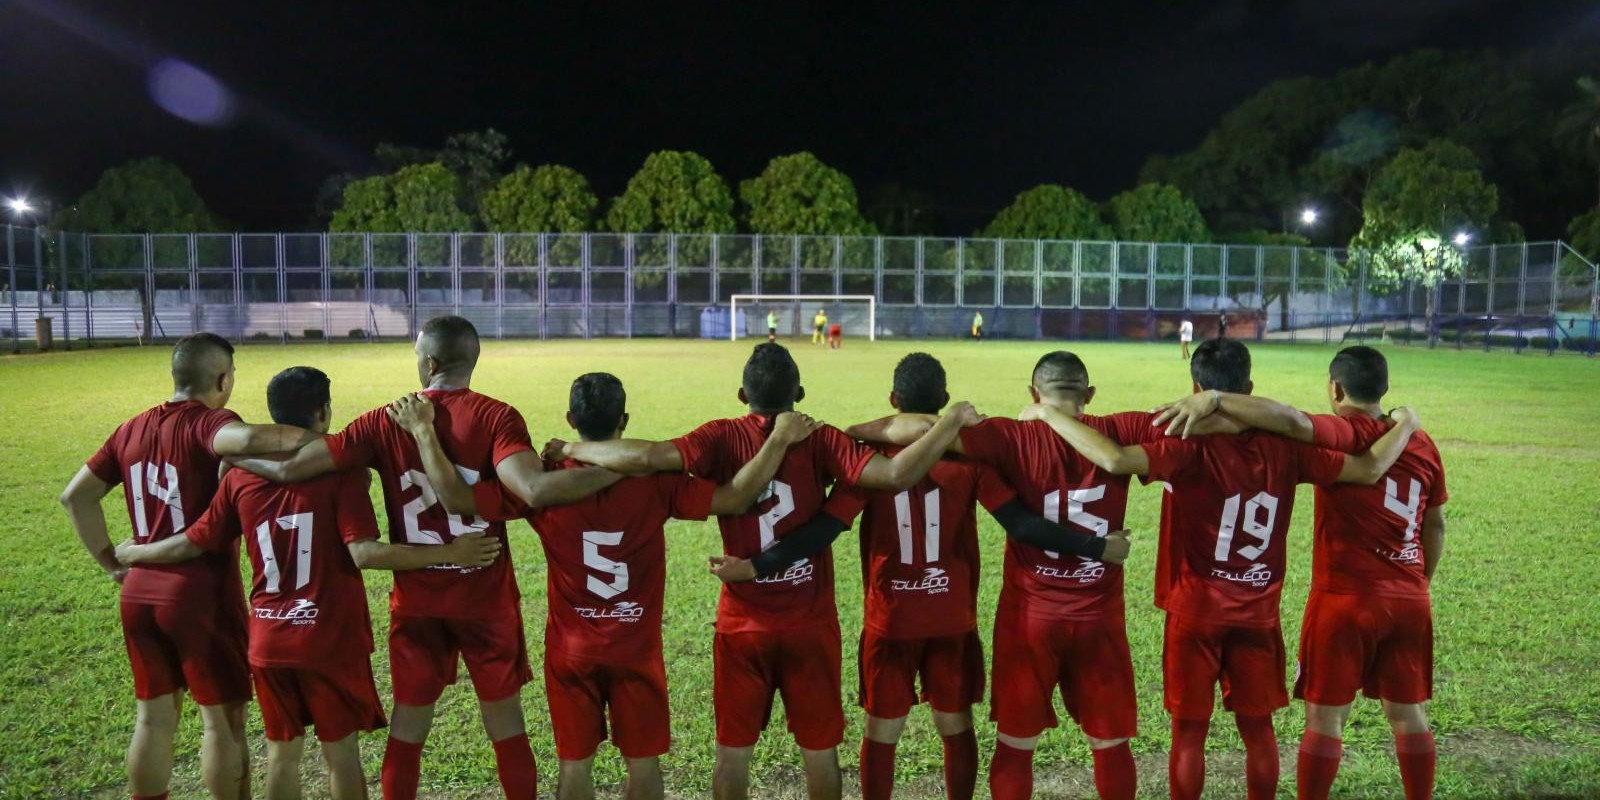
point(736, 495)
point(1090, 443)
point(912, 464)
point(244, 439)
point(311, 461)
point(167, 551)
point(414, 414)
point(524, 475)
point(1368, 467)
point(1432, 539)
point(468, 550)
point(627, 456)
point(1191, 415)
point(81, 500)
point(901, 429)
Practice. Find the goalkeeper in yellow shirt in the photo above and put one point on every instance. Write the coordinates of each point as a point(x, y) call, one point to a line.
point(819, 327)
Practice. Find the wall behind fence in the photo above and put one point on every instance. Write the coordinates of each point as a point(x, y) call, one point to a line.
point(292, 286)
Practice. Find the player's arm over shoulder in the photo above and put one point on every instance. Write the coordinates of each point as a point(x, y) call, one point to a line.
point(240, 438)
point(1368, 467)
point(626, 456)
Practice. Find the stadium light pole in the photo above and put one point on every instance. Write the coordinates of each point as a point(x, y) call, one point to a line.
point(1307, 218)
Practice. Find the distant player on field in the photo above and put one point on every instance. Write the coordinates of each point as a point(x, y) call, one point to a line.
point(1185, 336)
point(447, 614)
point(778, 635)
point(1368, 625)
point(772, 325)
point(183, 624)
point(920, 566)
point(818, 325)
point(1220, 562)
point(835, 336)
point(977, 326)
point(607, 568)
point(310, 634)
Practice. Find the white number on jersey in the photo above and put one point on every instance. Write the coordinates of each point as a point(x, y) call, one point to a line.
point(785, 506)
point(1076, 498)
point(145, 479)
point(1260, 529)
point(930, 522)
point(1407, 510)
point(300, 529)
point(592, 542)
point(426, 499)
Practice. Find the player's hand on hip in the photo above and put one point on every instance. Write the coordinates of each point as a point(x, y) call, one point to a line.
point(792, 426)
point(474, 549)
point(1180, 416)
point(732, 569)
point(413, 412)
point(554, 450)
point(1117, 546)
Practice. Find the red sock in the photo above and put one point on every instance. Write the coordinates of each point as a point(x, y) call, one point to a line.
point(1418, 758)
point(960, 765)
point(1011, 773)
point(1113, 772)
point(162, 796)
point(519, 775)
point(1318, 764)
point(402, 767)
point(1260, 756)
point(1186, 766)
point(877, 770)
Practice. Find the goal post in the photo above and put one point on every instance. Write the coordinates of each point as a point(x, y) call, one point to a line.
point(853, 311)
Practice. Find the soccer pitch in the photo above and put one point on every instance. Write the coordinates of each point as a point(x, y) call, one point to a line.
point(1516, 602)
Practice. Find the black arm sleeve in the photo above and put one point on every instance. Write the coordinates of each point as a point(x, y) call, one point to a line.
point(1029, 528)
point(803, 542)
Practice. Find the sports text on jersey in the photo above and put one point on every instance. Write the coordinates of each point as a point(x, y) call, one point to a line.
point(626, 611)
point(1258, 575)
point(934, 581)
point(303, 612)
point(802, 571)
point(1087, 572)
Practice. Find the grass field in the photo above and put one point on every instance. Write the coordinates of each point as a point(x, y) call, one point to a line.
point(1517, 601)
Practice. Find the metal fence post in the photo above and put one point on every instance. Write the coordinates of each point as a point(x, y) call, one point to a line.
point(11, 287)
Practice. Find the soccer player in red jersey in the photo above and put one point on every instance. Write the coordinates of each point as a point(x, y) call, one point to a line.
point(1220, 562)
point(778, 635)
point(607, 560)
point(835, 336)
point(920, 565)
point(310, 634)
point(446, 614)
point(1369, 624)
point(183, 624)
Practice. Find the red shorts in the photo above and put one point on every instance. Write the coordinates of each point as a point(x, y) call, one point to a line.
point(950, 669)
point(423, 654)
point(172, 647)
point(581, 691)
point(336, 699)
point(801, 664)
point(1249, 663)
point(1381, 646)
point(1088, 660)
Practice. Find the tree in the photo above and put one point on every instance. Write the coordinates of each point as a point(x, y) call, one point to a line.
point(478, 160)
point(1583, 233)
point(1156, 212)
point(422, 198)
point(1578, 128)
point(547, 199)
point(1048, 211)
point(799, 195)
point(149, 195)
point(674, 191)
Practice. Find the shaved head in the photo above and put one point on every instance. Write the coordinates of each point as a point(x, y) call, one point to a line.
point(1061, 374)
point(201, 364)
point(451, 342)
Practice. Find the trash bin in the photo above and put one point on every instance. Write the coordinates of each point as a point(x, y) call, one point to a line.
point(44, 333)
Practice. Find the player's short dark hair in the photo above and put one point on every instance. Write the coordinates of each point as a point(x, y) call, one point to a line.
point(452, 341)
point(1362, 371)
point(295, 395)
point(919, 383)
point(1061, 371)
point(199, 359)
point(771, 378)
point(1221, 364)
point(597, 403)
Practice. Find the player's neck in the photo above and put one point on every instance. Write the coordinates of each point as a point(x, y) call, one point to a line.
point(184, 396)
point(769, 412)
point(1370, 409)
point(447, 381)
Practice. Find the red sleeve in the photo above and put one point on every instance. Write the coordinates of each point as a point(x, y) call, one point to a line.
point(685, 496)
point(357, 522)
point(843, 456)
point(992, 441)
point(701, 448)
point(357, 444)
point(1169, 458)
point(1333, 432)
point(104, 463)
point(1437, 494)
point(220, 524)
point(1127, 428)
point(993, 491)
point(211, 422)
point(495, 503)
point(1317, 465)
point(846, 502)
point(510, 436)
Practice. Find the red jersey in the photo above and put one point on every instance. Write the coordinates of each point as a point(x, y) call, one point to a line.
point(1226, 520)
point(1367, 536)
point(477, 432)
point(1057, 483)
point(607, 561)
point(308, 604)
point(919, 548)
point(803, 595)
point(163, 459)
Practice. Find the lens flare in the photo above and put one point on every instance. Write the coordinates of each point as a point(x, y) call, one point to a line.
point(189, 93)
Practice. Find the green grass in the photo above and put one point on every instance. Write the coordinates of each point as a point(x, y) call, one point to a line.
point(1518, 690)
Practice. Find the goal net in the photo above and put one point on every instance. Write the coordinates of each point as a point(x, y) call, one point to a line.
point(856, 314)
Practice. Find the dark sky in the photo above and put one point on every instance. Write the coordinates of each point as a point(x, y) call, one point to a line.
point(970, 101)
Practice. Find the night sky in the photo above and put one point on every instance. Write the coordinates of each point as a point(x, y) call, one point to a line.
point(970, 102)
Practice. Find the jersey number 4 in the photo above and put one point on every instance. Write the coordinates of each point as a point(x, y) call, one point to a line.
point(1407, 510)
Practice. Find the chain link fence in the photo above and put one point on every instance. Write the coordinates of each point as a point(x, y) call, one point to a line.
point(104, 289)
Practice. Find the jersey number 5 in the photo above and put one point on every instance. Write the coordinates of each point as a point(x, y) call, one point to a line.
point(592, 542)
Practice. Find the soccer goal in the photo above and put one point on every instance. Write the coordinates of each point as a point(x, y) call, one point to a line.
point(855, 313)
